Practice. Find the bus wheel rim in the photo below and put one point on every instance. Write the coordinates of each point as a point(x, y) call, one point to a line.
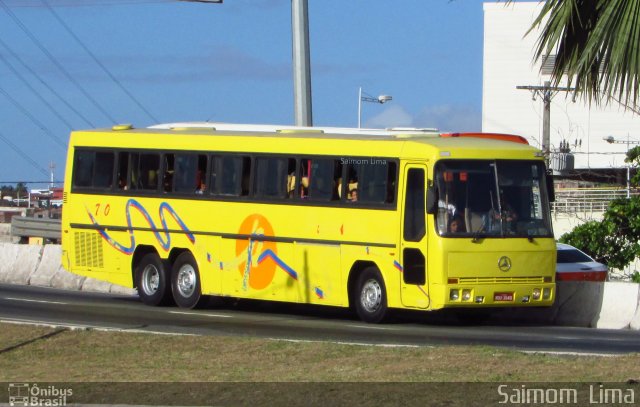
point(371, 296)
point(186, 281)
point(150, 279)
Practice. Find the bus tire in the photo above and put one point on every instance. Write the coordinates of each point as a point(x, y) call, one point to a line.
point(185, 281)
point(152, 281)
point(370, 296)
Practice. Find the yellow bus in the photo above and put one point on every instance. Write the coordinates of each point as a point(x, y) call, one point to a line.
point(368, 219)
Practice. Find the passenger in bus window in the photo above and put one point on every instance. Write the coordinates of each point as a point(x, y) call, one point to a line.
point(304, 187)
point(200, 190)
point(456, 225)
point(353, 195)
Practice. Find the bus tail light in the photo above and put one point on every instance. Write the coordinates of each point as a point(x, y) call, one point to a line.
point(454, 294)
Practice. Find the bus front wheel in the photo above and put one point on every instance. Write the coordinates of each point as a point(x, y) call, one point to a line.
point(152, 281)
point(185, 281)
point(370, 296)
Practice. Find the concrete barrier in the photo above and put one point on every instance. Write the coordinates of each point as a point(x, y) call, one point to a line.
point(619, 305)
point(18, 262)
point(635, 322)
point(578, 303)
point(41, 266)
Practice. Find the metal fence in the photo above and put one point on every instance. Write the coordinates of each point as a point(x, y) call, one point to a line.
point(587, 199)
point(26, 227)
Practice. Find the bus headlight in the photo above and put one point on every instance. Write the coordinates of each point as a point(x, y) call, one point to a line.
point(536, 293)
point(466, 295)
point(546, 293)
point(454, 295)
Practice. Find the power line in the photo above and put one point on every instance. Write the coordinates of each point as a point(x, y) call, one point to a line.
point(86, 3)
point(95, 59)
point(37, 122)
point(45, 84)
point(55, 61)
point(4, 183)
point(23, 155)
point(35, 92)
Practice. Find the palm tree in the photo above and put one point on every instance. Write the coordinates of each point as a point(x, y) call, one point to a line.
point(597, 46)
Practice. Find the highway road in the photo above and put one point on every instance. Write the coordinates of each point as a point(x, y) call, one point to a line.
point(294, 322)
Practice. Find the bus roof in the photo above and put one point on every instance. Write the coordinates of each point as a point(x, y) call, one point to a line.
point(283, 129)
point(393, 142)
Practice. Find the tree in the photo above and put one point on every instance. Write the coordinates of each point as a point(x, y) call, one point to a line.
point(597, 46)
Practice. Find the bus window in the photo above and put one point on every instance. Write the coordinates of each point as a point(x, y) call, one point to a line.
point(103, 176)
point(83, 169)
point(371, 180)
point(188, 175)
point(144, 171)
point(230, 175)
point(414, 209)
point(168, 172)
point(93, 169)
point(492, 198)
point(318, 179)
point(271, 176)
point(123, 170)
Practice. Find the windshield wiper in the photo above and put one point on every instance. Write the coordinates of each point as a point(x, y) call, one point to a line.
point(476, 234)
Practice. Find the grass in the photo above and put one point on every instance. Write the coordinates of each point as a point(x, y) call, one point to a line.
point(97, 356)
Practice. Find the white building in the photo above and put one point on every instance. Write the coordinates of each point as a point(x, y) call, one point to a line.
point(508, 63)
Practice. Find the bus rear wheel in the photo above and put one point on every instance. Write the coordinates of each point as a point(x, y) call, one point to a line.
point(185, 281)
point(152, 281)
point(370, 296)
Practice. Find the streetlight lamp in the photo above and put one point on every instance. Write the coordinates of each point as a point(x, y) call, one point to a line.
point(364, 97)
point(612, 140)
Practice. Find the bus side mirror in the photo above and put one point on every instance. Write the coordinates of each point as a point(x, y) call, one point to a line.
point(550, 188)
point(432, 202)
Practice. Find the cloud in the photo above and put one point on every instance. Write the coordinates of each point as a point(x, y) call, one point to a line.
point(456, 118)
point(448, 117)
point(392, 116)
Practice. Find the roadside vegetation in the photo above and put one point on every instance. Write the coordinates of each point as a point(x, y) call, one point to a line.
point(615, 240)
point(81, 356)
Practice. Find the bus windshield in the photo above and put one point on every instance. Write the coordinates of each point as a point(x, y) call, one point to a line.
point(499, 198)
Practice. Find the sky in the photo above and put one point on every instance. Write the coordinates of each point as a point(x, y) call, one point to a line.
point(171, 61)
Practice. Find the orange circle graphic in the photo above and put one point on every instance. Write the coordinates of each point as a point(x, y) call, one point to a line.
point(260, 274)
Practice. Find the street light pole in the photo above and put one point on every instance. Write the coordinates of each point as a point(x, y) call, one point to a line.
point(367, 98)
point(612, 140)
point(301, 63)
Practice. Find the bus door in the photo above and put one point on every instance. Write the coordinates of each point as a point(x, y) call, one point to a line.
point(413, 239)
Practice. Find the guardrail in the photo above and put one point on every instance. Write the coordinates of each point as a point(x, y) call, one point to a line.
point(587, 199)
point(25, 227)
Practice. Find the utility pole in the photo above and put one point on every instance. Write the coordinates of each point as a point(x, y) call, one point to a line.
point(301, 63)
point(52, 166)
point(547, 92)
point(301, 60)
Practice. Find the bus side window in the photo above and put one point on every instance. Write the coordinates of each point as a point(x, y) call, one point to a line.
point(94, 169)
point(146, 170)
point(123, 170)
point(83, 168)
point(271, 176)
point(230, 175)
point(103, 175)
point(169, 172)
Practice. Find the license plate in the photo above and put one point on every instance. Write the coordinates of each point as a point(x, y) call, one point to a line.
point(503, 296)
